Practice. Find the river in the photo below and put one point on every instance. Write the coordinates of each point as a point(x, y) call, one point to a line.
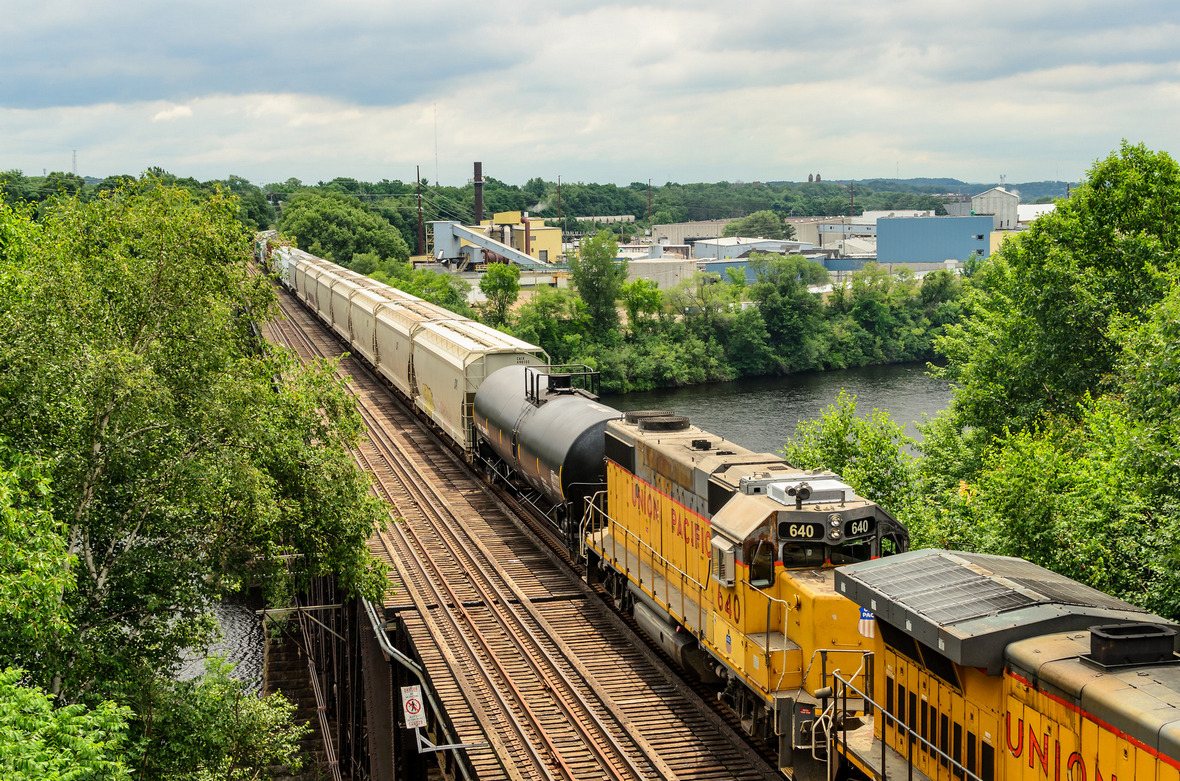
point(761, 414)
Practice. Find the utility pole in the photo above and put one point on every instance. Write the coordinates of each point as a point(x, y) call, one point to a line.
point(559, 218)
point(649, 202)
point(851, 199)
point(421, 232)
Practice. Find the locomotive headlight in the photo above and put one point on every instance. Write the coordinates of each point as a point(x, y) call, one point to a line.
point(835, 535)
point(834, 519)
point(835, 524)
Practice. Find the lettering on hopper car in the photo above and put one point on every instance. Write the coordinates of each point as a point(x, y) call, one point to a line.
point(1048, 758)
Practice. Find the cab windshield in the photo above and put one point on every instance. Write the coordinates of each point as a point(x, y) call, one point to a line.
point(803, 554)
point(852, 552)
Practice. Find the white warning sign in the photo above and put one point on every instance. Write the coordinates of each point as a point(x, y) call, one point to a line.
point(412, 707)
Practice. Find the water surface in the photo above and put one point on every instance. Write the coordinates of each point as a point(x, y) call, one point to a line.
point(761, 414)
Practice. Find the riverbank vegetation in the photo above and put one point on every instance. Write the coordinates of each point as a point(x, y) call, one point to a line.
point(1062, 441)
point(714, 329)
point(155, 456)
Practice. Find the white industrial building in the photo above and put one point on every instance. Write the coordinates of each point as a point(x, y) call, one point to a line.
point(1000, 204)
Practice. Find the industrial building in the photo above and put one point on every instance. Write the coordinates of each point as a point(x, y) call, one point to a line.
point(933, 239)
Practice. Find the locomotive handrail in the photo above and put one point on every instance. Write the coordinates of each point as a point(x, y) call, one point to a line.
point(912, 736)
point(823, 654)
point(595, 513)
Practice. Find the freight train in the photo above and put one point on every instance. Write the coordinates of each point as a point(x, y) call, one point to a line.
point(797, 599)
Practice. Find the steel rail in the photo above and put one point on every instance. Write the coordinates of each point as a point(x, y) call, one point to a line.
point(496, 603)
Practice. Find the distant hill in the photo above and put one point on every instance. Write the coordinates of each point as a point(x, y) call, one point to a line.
point(1029, 191)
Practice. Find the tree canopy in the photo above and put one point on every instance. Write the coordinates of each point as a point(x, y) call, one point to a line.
point(157, 456)
point(1062, 438)
point(337, 227)
point(1046, 312)
point(599, 276)
point(501, 285)
point(763, 224)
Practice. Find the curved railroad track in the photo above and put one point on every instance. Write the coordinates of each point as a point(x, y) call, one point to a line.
point(520, 657)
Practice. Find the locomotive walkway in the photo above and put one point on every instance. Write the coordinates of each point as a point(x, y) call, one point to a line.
point(521, 654)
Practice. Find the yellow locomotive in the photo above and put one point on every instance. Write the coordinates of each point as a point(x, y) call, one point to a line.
point(726, 557)
point(994, 668)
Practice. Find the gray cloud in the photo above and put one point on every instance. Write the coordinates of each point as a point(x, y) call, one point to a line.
point(599, 91)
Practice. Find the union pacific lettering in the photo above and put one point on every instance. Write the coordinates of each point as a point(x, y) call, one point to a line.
point(1039, 755)
point(645, 499)
point(691, 528)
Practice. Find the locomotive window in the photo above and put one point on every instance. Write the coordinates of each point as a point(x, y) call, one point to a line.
point(891, 544)
point(971, 751)
point(802, 554)
point(850, 553)
point(762, 565)
point(987, 768)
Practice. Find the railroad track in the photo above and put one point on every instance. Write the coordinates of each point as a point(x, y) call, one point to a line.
point(520, 657)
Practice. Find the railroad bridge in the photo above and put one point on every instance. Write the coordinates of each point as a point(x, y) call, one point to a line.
point(518, 660)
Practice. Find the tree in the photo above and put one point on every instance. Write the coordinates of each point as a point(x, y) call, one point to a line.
point(39, 741)
point(764, 224)
point(342, 227)
point(643, 302)
point(184, 458)
point(213, 727)
point(868, 454)
point(598, 277)
point(501, 284)
point(792, 314)
point(555, 320)
point(1043, 311)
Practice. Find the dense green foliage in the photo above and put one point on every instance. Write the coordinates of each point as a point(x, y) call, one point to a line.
point(39, 741)
point(254, 210)
point(501, 285)
point(763, 224)
point(337, 227)
point(710, 329)
point(1063, 438)
point(598, 278)
point(155, 458)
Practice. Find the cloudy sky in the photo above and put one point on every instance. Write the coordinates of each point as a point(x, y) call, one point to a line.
point(591, 91)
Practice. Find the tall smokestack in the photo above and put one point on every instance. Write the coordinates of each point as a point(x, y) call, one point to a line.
point(478, 180)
